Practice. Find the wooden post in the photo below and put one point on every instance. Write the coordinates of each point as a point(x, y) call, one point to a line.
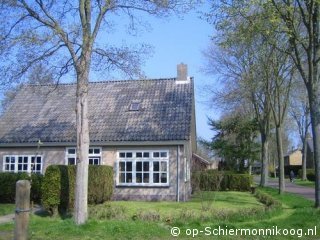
point(22, 210)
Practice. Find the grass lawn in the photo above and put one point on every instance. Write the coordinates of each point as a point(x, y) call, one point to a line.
point(304, 183)
point(6, 209)
point(154, 220)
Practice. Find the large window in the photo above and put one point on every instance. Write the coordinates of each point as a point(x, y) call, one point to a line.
point(22, 163)
point(94, 156)
point(143, 168)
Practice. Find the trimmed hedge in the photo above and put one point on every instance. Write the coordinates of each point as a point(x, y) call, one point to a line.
point(213, 180)
point(310, 174)
point(8, 186)
point(59, 187)
point(267, 199)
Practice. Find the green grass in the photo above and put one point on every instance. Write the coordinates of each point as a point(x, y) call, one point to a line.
point(149, 220)
point(6, 209)
point(304, 183)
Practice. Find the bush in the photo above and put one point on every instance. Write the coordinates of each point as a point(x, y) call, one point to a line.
point(267, 200)
point(8, 186)
point(59, 187)
point(311, 175)
point(213, 180)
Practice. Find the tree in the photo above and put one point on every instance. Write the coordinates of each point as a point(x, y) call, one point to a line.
point(235, 140)
point(39, 74)
point(299, 112)
point(63, 34)
point(301, 24)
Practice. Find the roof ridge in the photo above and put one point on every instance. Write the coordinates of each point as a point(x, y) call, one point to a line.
point(106, 81)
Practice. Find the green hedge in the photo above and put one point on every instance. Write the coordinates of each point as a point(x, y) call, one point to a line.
point(8, 186)
point(213, 180)
point(310, 174)
point(59, 186)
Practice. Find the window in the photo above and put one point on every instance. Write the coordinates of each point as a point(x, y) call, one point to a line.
point(143, 168)
point(22, 163)
point(134, 106)
point(94, 156)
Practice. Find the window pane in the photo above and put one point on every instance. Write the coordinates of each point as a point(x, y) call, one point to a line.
point(139, 166)
point(129, 166)
point(71, 161)
point(146, 177)
point(7, 159)
point(156, 177)
point(129, 177)
point(122, 166)
point(12, 167)
point(156, 166)
point(129, 155)
point(38, 167)
point(164, 154)
point(19, 167)
point(122, 155)
point(146, 155)
point(122, 178)
point(163, 166)
point(146, 166)
point(90, 150)
point(96, 151)
point(156, 154)
point(71, 151)
point(25, 159)
point(139, 177)
point(19, 159)
point(139, 154)
point(163, 178)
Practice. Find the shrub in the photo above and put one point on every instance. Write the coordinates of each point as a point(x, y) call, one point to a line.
point(59, 187)
point(107, 212)
point(213, 180)
point(267, 200)
point(311, 175)
point(8, 186)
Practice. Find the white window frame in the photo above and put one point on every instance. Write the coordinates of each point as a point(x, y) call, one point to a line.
point(92, 155)
point(151, 160)
point(15, 163)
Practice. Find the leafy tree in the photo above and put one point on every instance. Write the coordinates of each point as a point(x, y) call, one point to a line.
point(235, 140)
point(65, 35)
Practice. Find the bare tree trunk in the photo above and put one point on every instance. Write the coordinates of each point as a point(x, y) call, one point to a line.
point(280, 159)
point(265, 160)
point(304, 158)
point(315, 127)
point(81, 189)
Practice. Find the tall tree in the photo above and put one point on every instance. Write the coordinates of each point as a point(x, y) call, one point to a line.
point(300, 113)
point(301, 21)
point(64, 35)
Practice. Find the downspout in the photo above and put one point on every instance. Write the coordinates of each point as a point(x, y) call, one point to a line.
point(178, 170)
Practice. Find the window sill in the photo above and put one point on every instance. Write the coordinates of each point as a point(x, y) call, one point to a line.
point(142, 186)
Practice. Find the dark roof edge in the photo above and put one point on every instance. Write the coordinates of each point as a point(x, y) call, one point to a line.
point(111, 143)
point(107, 81)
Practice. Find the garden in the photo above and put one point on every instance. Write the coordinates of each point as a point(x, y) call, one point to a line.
point(207, 209)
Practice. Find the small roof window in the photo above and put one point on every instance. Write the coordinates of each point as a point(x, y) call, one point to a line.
point(134, 106)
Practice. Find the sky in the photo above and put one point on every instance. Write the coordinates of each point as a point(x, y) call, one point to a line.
point(180, 40)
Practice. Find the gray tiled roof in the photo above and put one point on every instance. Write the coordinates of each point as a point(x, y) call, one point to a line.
point(47, 112)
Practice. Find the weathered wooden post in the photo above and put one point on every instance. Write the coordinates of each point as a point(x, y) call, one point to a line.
point(22, 210)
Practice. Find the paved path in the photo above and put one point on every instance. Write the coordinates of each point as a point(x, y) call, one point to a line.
point(10, 217)
point(307, 192)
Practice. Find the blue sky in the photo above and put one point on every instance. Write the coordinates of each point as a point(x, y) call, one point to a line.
point(175, 40)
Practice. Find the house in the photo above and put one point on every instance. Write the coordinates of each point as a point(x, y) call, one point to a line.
point(293, 158)
point(145, 129)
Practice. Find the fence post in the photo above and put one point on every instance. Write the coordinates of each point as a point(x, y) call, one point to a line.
point(22, 210)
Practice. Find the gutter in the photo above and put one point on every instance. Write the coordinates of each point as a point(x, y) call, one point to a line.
point(178, 170)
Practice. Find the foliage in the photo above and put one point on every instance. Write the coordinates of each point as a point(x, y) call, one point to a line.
point(310, 174)
point(235, 140)
point(59, 187)
point(267, 199)
point(8, 186)
point(213, 180)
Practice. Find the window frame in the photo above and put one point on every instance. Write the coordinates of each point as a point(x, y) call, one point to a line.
point(143, 159)
point(16, 163)
point(91, 156)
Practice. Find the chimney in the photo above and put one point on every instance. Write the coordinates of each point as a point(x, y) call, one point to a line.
point(182, 72)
